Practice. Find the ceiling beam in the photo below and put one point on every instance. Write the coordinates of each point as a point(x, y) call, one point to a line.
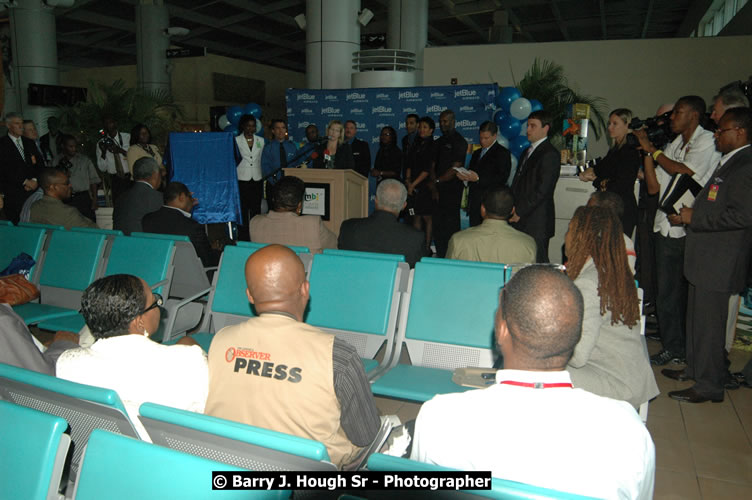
point(101, 20)
point(602, 10)
point(83, 42)
point(241, 53)
point(647, 18)
point(692, 18)
point(559, 19)
point(270, 10)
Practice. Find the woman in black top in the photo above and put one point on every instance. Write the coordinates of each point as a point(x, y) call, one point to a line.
point(418, 177)
point(334, 153)
point(389, 158)
point(617, 172)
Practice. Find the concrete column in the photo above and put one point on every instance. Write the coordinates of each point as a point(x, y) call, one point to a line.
point(332, 35)
point(408, 30)
point(34, 53)
point(152, 43)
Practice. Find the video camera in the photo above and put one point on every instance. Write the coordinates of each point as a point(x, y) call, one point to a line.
point(107, 141)
point(65, 163)
point(657, 128)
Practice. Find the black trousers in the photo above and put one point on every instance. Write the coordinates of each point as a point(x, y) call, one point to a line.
point(82, 201)
point(119, 185)
point(541, 250)
point(671, 292)
point(251, 193)
point(446, 219)
point(707, 313)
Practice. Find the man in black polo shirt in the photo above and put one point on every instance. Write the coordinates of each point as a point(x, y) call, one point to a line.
point(451, 149)
point(360, 150)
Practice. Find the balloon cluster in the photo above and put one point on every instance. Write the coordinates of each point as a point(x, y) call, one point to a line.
point(230, 120)
point(511, 118)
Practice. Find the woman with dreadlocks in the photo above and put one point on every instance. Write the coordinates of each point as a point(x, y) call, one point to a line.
point(611, 358)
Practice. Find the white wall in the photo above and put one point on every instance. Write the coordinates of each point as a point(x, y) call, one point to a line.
point(636, 74)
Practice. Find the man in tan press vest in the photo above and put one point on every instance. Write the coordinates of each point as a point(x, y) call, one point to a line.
point(276, 372)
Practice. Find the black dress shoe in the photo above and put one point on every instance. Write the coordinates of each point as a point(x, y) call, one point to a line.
point(692, 396)
point(741, 380)
point(680, 375)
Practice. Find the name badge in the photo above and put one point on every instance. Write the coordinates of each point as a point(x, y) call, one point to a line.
point(713, 193)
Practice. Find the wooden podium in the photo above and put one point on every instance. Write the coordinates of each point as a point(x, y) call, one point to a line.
point(347, 192)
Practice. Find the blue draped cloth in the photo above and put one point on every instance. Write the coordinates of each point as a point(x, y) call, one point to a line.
point(206, 163)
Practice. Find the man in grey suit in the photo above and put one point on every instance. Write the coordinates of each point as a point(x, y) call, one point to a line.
point(140, 199)
point(716, 259)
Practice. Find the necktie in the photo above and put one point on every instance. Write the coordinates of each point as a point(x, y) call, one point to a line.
point(282, 156)
point(19, 145)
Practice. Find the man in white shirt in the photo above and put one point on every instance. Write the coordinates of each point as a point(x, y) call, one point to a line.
point(250, 183)
point(692, 154)
point(111, 149)
point(531, 425)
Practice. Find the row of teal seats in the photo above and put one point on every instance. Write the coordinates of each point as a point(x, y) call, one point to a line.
point(43, 416)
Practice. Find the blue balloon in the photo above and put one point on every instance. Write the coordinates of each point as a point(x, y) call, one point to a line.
point(233, 114)
point(509, 127)
point(232, 128)
point(499, 117)
point(518, 144)
point(252, 109)
point(535, 105)
point(506, 96)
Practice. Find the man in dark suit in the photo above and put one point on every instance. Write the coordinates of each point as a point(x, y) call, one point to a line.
point(20, 161)
point(717, 253)
point(175, 218)
point(489, 167)
point(140, 199)
point(360, 150)
point(381, 231)
point(534, 183)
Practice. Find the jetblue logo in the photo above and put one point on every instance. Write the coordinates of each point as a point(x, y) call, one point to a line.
point(466, 108)
point(382, 95)
point(289, 111)
point(354, 96)
point(375, 140)
point(409, 110)
point(303, 124)
point(465, 93)
point(401, 126)
point(330, 98)
point(436, 108)
point(361, 126)
point(467, 123)
point(306, 97)
point(330, 110)
point(437, 95)
point(381, 125)
point(306, 111)
point(407, 95)
point(356, 111)
point(381, 109)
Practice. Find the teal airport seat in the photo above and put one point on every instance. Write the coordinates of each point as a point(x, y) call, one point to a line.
point(148, 259)
point(17, 240)
point(447, 323)
point(5, 223)
point(120, 468)
point(500, 488)
point(357, 298)
point(98, 230)
point(233, 443)
point(189, 284)
point(303, 252)
point(72, 261)
point(84, 407)
point(405, 276)
point(34, 447)
point(51, 227)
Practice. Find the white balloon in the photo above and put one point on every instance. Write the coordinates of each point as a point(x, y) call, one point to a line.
point(223, 122)
point(259, 128)
point(520, 108)
point(502, 140)
point(523, 128)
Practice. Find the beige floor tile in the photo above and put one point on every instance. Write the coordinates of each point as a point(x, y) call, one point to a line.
point(723, 490)
point(745, 418)
point(408, 412)
point(670, 485)
point(388, 406)
point(741, 399)
point(720, 463)
point(663, 406)
point(718, 427)
point(675, 456)
point(670, 428)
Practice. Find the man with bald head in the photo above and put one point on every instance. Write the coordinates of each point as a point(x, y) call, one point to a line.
point(278, 373)
point(531, 425)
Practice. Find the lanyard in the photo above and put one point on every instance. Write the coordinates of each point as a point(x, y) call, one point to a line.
point(538, 385)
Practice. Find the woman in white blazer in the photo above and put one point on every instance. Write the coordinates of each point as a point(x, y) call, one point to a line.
point(250, 184)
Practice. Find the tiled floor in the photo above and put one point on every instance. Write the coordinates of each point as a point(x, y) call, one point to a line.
point(703, 451)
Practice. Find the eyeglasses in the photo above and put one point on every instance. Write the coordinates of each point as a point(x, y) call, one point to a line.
point(722, 130)
point(157, 303)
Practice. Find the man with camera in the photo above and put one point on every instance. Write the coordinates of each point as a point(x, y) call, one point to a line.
point(691, 154)
point(83, 177)
point(112, 148)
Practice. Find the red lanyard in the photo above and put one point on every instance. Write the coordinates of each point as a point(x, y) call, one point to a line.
point(538, 385)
